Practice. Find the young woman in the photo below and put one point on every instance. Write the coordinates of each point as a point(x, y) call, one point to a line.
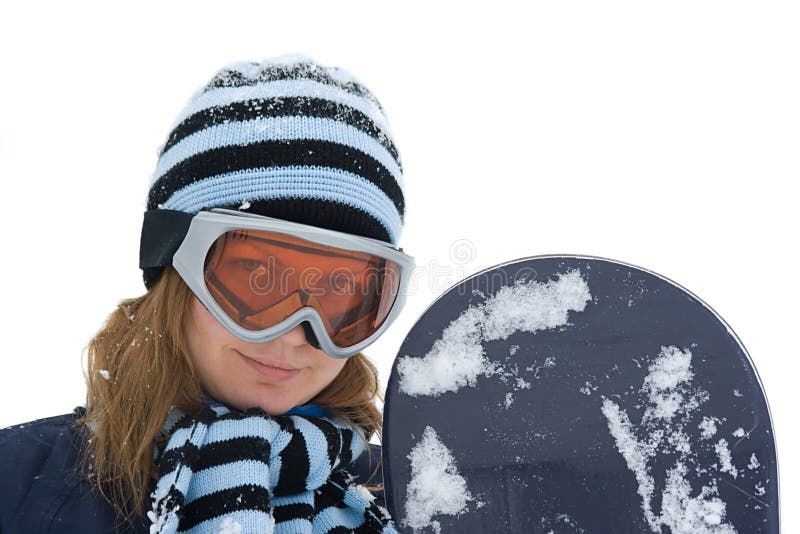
point(233, 395)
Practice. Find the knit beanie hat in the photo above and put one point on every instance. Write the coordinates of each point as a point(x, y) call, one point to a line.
point(287, 138)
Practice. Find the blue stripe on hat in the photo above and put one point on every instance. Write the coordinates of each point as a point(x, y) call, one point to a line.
point(276, 128)
point(286, 182)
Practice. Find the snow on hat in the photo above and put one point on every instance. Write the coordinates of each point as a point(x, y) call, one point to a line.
point(287, 138)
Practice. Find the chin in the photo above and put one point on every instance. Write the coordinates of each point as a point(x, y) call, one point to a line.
point(273, 411)
point(273, 408)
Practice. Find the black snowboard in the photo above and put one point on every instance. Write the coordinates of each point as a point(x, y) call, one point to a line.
point(573, 394)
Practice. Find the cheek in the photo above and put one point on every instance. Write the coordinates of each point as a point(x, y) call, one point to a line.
point(205, 321)
point(206, 329)
point(333, 367)
point(204, 335)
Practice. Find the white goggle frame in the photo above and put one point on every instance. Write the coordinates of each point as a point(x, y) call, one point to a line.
point(207, 226)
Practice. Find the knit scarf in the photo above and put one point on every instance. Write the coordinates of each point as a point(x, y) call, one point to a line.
point(224, 471)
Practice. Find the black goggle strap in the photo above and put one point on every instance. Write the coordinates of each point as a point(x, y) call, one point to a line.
point(163, 232)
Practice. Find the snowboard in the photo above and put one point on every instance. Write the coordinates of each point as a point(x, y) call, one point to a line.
point(575, 394)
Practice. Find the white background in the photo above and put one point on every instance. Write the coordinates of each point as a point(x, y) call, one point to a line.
point(663, 135)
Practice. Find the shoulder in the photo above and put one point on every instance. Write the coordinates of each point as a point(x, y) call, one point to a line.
point(40, 490)
point(28, 445)
point(26, 449)
point(28, 453)
point(41, 431)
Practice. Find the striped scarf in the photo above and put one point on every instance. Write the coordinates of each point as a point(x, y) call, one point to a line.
point(231, 472)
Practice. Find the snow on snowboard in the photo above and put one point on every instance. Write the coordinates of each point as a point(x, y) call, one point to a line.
point(572, 394)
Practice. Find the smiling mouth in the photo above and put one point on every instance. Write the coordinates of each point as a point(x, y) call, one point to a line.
point(271, 372)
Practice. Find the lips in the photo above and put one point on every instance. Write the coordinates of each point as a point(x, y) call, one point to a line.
point(271, 363)
point(277, 372)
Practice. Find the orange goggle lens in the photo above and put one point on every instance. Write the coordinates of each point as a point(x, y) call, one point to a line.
point(260, 278)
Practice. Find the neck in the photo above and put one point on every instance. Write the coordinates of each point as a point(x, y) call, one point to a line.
point(308, 410)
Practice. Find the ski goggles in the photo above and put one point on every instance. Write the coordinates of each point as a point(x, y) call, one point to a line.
point(260, 277)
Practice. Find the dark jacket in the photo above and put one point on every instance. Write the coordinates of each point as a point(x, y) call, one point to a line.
point(40, 490)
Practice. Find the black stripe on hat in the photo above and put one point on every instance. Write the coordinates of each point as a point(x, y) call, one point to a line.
point(321, 213)
point(302, 152)
point(295, 71)
point(244, 497)
point(295, 464)
point(280, 107)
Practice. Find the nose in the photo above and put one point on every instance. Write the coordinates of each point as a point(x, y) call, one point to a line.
point(300, 335)
point(295, 337)
point(309, 333)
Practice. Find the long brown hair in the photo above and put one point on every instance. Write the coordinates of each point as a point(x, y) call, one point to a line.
point(138, 368)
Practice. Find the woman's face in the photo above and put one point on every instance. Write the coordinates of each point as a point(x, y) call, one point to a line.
point(276, 375)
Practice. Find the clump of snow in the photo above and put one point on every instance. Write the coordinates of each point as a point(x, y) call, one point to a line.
point(229, 526)
point(365, 493)
point(708, 427)
point(671, 369)
point(587, 388)
point(245, 205)
point(533, 306)
point(669, 401)
point(162, 514)
point(680, 442)
point(549, 363)
point(724, 455)
point(522, 384)
point(754, 464)
point(562, 521)
point(457, 359)
point(436, 487)
point(511, 376)
point(384, 512)
point(636, 454)
point(104, 373)
point(684, 514)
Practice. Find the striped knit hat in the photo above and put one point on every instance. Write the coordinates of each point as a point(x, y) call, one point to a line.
point(287, 138)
